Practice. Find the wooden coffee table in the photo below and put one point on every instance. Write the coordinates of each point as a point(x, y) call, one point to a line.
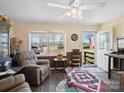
point(63, 61)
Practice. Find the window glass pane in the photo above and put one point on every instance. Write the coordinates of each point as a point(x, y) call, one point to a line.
point(88, 39)
point(39, 43)
point(35, 38)
point(4, 37)
point(104, 41)
point(56, 43)
point(43, 45)
point(61, 44)
point(121, 43)
point(52, 44)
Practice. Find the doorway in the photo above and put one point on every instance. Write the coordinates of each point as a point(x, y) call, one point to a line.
point(89, 42)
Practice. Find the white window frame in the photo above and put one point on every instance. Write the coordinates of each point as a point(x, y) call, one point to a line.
point(38, 31)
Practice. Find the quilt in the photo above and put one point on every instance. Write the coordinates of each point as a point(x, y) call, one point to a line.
point(80, 78)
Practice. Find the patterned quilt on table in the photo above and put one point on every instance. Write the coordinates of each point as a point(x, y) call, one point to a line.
point(77, 77)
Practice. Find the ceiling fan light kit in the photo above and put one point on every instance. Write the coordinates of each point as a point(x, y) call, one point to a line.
point(74, 13)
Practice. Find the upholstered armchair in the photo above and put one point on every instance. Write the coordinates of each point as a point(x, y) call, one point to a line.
point(35, 71)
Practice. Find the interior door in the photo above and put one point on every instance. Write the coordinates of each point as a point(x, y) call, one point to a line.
point(104, 45)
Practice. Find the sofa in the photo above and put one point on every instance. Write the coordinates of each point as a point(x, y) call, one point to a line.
point(14, 84)
point(35, 71)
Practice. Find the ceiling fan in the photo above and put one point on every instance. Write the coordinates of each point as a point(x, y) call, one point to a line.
point(75, 8)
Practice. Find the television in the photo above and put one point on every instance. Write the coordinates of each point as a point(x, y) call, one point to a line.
point(120, 45)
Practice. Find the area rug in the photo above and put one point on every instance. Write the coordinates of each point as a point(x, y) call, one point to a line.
point(63, 87)
point(93, 69)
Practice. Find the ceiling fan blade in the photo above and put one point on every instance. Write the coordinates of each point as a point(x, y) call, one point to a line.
point(92, 6)
point(58, 5)
point(62, 16)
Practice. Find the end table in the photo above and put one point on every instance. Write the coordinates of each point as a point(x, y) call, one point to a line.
point(62, 60)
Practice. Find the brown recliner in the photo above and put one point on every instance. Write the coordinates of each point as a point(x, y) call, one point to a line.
point(36, 71)
point(14, 84)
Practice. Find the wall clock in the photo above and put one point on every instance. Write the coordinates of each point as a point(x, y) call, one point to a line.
point(74, 37)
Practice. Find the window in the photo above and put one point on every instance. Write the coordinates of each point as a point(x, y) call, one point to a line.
point(104, 41)
point(45, 42)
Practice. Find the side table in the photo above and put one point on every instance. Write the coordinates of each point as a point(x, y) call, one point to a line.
point(63, 61)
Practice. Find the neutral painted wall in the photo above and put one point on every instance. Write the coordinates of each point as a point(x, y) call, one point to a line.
point(118, 28)
point(21, 30)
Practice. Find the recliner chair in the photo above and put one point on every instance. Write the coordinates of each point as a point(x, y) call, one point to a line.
point(35, 71)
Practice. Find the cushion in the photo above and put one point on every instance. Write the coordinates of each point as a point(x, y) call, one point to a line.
point(25, 62)
point(10, 82)
point(19, 79)
point(32, 61)
point(26, 57)
point(7, 83)
point(24, 87)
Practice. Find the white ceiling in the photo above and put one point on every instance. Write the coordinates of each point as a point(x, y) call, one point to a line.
point(38, 11)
